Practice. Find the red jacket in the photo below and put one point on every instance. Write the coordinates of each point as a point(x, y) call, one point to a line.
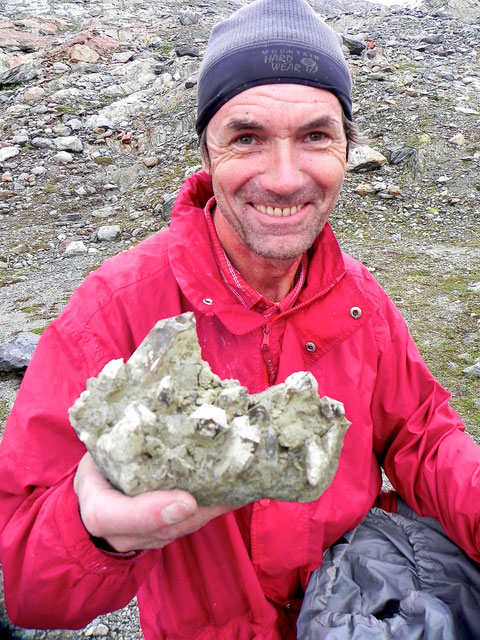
point(242, 576)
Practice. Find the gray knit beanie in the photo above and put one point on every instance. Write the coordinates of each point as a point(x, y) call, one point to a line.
point(270, 42)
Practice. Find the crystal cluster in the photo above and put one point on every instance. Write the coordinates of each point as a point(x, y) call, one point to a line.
point(164, 420)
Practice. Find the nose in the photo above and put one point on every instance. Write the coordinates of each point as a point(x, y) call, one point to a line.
point(282, 174)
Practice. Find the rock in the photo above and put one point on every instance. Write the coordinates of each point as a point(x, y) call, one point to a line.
point(467, 110)
point(150, 162)
point(70, 96)
point(436, 38)
point(16, 354)
point(109, 233)
point(34, 93)
point(83, 53)
point(123, 56)
point(401, 154)
point(474, 370)
point(458, 140)
point(364, 158)
point(165, 420)
point(42, 143)
point(62, 130)
point(188, 18)
point(75, 124)
point(364, 189)
point(20, 139)
point(474, 287)
point(63, 157)
point(8, 152)
point(69, 143)
point(75, 248)
point(355, 46)
point(18, 74)
point(187, 50)
point(105, 212)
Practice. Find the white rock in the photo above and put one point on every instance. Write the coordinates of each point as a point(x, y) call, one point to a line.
point(69, 143)
point(458, 140)
point(8, 152)
point(63, 157)
point(474, 370)
point(75, 124)
point(109, 233)
point(20, 138)
point(83, 53)
point(75, 248)
point(364, 158)
point(39, 170)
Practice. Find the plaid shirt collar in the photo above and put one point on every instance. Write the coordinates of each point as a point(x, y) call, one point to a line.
point(245, 294)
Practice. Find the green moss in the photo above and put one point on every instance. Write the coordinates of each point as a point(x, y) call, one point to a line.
point(49, 189)
point(103, 160)
point(66, 109)
point(31, 309)
point(9, 87)
point(406, 66)
point(38, 330)
point(4, 410)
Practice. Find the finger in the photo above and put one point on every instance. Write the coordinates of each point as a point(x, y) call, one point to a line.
point(106, 511)
point(168, 534)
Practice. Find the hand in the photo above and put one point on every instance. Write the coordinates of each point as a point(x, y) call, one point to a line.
point(148, 521)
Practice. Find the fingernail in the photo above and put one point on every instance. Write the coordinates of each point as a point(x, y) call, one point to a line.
point(176, 512)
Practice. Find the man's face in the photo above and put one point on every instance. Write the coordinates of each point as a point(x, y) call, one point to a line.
point(277, 160)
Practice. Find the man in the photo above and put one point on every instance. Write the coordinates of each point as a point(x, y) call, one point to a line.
point(250, 252)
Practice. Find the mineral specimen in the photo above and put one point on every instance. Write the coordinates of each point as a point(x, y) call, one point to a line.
point(164, 420)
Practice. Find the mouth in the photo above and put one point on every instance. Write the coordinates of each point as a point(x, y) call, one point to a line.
point(277, 211)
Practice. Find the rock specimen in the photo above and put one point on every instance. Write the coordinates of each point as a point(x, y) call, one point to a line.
point(164, 420)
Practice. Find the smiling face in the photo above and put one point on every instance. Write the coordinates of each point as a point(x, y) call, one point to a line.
point(277, 156)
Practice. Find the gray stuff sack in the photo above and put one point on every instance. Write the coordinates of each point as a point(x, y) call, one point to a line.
point(396, 576)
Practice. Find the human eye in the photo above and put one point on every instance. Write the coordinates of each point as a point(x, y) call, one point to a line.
point(245, 140)
point(317, 137)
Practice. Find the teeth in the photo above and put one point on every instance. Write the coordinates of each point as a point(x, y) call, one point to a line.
point(276, 211)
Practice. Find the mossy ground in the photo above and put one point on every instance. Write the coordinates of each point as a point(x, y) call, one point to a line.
point(440, 306)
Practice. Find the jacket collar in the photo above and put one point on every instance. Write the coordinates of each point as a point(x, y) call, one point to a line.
point(196, 271)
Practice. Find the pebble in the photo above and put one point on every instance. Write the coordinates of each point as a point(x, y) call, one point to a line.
point(63, 157)
point(16, 354)
point(151, 161)
point(75, 248)
point(43, 143)
point(109, 233)
point(474, 370)
point(364, 158)
point(69, 143)
point(6, 153)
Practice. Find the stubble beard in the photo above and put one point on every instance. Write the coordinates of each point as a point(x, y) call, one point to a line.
point(271, 247)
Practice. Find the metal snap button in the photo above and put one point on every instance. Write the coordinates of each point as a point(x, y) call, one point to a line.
point(356, 313)
point(208, 301)
point(311, 347)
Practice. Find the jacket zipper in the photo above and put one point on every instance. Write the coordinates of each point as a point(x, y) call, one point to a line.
point(266, 355)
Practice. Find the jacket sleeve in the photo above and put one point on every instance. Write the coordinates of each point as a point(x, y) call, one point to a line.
point(420, 440)
point(54, 576)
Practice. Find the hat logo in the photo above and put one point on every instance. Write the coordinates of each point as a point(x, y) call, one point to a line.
point(310, 65)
